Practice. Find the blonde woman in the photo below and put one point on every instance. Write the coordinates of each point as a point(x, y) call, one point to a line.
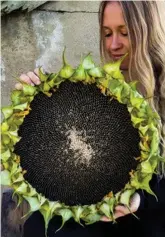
point(136, 28)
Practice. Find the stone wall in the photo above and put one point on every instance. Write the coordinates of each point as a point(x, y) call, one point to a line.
point(37, 38)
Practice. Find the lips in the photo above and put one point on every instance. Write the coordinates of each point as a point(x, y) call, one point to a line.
point(117, 56)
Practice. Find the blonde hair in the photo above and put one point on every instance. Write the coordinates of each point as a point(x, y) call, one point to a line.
point(145, 21)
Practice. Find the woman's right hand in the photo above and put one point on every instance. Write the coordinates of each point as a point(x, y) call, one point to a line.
point(31, 78)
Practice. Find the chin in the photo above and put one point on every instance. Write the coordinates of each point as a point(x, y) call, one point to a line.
point(124, 67)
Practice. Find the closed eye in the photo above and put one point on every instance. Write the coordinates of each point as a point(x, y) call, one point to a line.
point(108, 35)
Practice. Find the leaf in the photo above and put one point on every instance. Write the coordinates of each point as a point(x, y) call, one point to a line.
point(146, 167)
point(6, 155)
point(5, 139)
point(92, 218)
point(125, 196)
point(77, 212)
point(96, 72)
point(43, 77)
point(113, 85)
point(136, 120)
point(4, 127)
point(7, 111)
point(19, 178)
point(28, 89)
point(105, 209)
point(117, 75)
point(5, 177)
point(133, 85)
point(79, 74)
point(33, 202)
point(136, 101)
point(88, 62)
point(114, 68)
point(154, 145)
point(16, 97)
point(46, 87)
point(66, 71)
point(104, 82)
point(143, 129)
point(21, 188)
point(21, 106)
point(66, 214)
point(47, 210)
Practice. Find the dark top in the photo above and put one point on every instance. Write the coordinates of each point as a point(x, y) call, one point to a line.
point(151, 221)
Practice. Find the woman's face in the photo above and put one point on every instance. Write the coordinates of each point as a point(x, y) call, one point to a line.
point(115, 33)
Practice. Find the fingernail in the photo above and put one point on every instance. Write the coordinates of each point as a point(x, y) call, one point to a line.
point(32, 84)
point(38, 82)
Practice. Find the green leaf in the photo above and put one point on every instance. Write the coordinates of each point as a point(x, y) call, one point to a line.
point(113, 85)
point(105, 209)
point(91, 218)
point(28, 89)
point(58, 81)
point(111, 202)
point(18, 178)
point(7, 111)
point(146, 167)
point(4, 127)
point(46, 87)
point(47, 210)
point(79, 74)
point(5, 177)
point(154, 145)
point(125, 196)
point(143, 129)
point(16, 97)
point(66, 214)
point(21, 188)
point(136, 120)
point(96, 72)
point(77, 212)
point(136, 101)
point(33, 202)
point(88, 62)
point(43, 77)
point(113, 68)
point(117, 75)
point(66, 72)
point(133, 85)
point(5, 139)
point(6, 155)
point(21, 106)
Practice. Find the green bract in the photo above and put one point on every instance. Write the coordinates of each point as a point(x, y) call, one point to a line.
point(110, 80)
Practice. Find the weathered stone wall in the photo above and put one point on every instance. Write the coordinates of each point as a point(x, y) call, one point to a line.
point(38, 38)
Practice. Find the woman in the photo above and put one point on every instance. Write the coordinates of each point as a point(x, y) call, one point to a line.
point(136, 28)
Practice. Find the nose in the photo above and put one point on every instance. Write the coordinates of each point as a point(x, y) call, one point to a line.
point(116, 43)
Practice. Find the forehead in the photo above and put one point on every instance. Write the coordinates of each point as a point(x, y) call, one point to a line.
point(113, 15)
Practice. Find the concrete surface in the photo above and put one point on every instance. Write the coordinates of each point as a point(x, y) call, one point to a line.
point(38, 39)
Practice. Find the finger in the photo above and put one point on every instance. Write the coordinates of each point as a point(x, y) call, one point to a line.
point(135, 202)
point(36, 71)
point(122, 209)
point(134, 205)
point(18, 86)
point(35, 79)
point(25, 78)
point(119, 214)
point(105, 219)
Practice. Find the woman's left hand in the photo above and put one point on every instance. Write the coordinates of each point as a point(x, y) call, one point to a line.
point(121, 210)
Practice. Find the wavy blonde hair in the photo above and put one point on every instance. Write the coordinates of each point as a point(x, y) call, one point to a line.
point(145, 21)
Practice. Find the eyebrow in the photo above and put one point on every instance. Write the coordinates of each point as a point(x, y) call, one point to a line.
point(120, 26)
